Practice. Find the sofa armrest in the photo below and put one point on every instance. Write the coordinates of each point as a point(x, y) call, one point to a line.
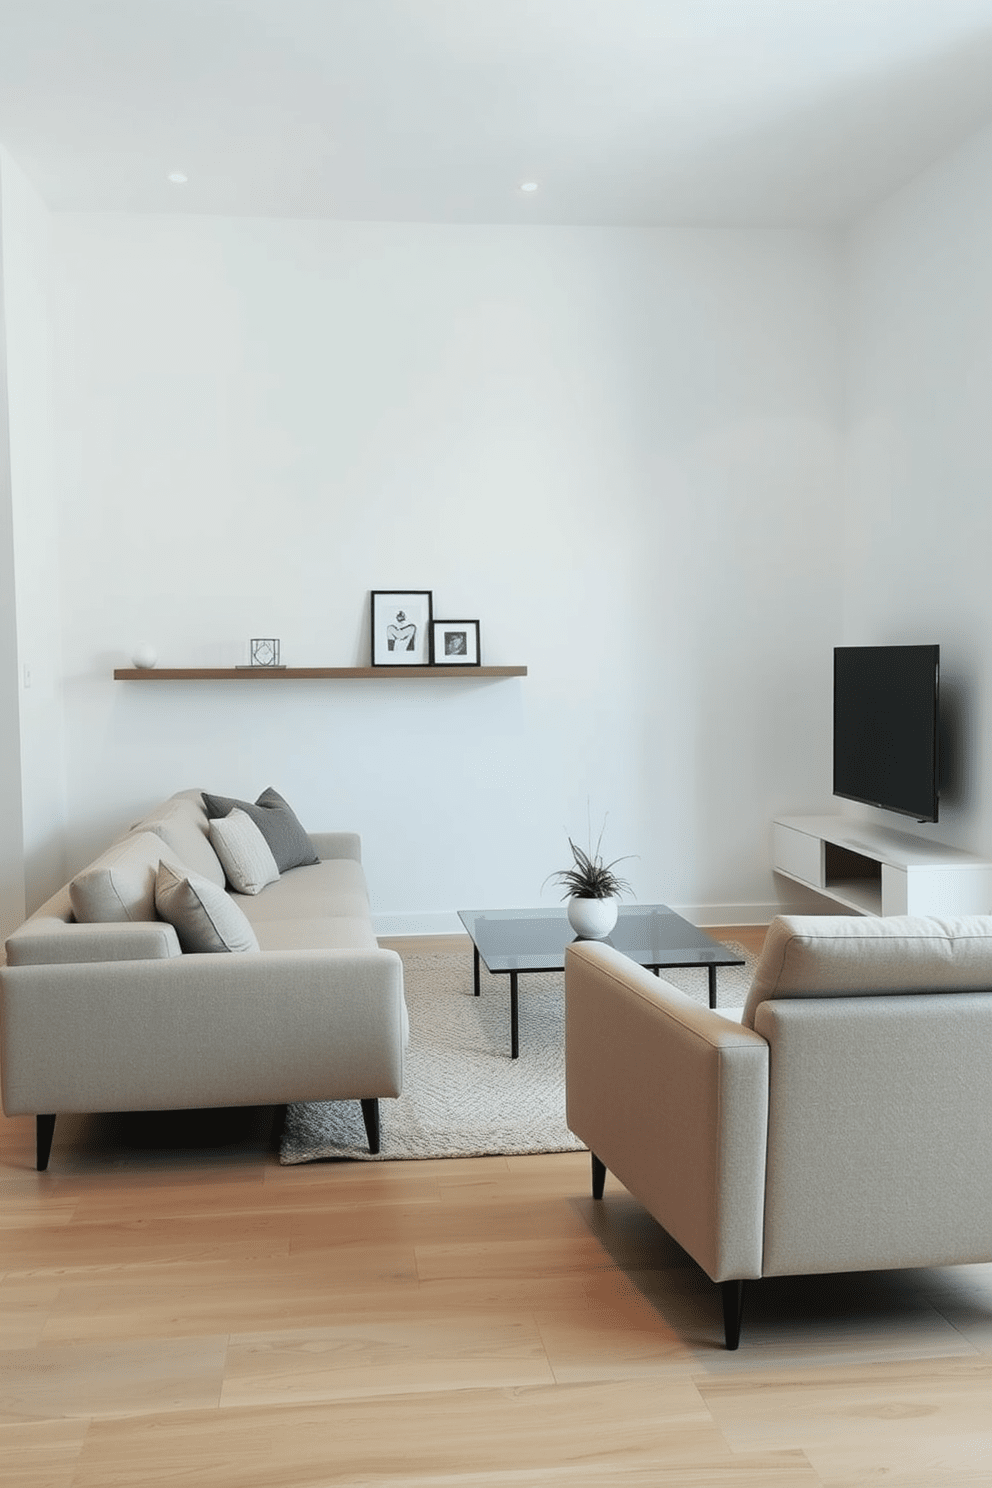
point(673, 1099)
point(46, 940)
point(337, 845)
point(202, 1030)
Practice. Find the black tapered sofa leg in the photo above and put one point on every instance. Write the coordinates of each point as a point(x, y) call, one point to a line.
point(733, 1307)
point(370, 1115)
point(45, 1131)
point(598, 1176)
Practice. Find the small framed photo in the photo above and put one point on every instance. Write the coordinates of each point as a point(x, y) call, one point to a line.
point(401, 627)
point(456, 643)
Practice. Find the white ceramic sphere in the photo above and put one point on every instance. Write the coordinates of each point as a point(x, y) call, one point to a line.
point(145, 656)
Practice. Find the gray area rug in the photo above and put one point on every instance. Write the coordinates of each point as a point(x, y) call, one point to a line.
point(463, 1095)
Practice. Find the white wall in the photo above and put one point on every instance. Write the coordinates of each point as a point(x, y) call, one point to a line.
point(919, 527)
point(616, 448)
point(12, 898)
point(36, 681)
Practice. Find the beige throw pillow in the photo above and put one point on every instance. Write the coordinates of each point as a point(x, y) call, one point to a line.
point(119, 884)
point(243, 851)
point(204, 917)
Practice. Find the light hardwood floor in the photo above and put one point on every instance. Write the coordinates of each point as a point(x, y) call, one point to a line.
point(177, 1309)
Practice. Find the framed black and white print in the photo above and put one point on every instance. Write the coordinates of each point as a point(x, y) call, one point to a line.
point(456, 643)
point(401, 627)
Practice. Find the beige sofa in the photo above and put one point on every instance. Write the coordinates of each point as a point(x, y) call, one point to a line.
point(844, 1124)
point(101, 1009)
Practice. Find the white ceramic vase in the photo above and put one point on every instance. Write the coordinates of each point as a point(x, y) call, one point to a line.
point(592, 919)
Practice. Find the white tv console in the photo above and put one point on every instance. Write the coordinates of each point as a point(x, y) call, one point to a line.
point(878, 871)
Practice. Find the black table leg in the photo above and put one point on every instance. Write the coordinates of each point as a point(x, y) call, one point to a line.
point(514, 1031)
point(711, 972)
point(475, 968)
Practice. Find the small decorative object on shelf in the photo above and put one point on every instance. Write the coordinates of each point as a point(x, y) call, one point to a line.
point(145, 656)
point(456, 643)
point(264, 651)
point(401, 627)
point(592, 890)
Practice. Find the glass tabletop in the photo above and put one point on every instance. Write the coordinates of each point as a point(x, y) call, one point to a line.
point(535, 939)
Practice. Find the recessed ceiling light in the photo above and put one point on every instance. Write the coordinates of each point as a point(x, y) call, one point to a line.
point(178, 178)
point(528, 185)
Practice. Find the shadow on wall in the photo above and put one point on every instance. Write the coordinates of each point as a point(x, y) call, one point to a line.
point(954, 782)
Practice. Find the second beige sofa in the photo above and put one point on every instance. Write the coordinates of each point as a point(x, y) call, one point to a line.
point(845, 1124)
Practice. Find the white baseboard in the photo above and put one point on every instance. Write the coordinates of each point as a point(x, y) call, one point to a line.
point(440, 923)
point(446, 922)
point(730, 914)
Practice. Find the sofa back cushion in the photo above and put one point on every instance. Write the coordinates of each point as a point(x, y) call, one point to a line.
point(851, 955)
point(120, 883)
point(181, 823)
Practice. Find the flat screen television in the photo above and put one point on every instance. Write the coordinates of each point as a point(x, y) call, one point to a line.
point(886, 701)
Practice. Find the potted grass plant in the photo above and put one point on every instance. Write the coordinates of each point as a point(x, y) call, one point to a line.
point(592, 889)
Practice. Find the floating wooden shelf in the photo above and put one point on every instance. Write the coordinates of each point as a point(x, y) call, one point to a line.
point(293, 674)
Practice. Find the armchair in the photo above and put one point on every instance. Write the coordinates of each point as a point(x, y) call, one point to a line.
point(845, 1124)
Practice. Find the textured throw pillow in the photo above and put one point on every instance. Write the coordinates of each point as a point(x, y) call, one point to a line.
point(243, 851)
point(277, 822)
point(203, 916)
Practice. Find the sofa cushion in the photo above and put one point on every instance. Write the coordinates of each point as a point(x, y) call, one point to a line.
point(120, 883)
point(203, 916)
point(182, 824)
point(245, 856)
point(278, 823)
point(848, 955)
point(332, 888)
point(333, 933)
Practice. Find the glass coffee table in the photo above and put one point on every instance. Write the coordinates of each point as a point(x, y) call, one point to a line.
point(511, 941)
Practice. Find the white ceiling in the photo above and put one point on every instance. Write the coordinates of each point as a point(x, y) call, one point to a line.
point(624, 111)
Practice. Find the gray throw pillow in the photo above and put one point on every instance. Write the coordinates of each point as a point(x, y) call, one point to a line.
point(204, 917)
point(277, 822)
